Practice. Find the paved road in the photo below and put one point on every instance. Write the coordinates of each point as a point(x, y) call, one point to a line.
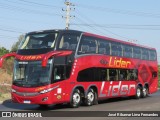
point(151, 103)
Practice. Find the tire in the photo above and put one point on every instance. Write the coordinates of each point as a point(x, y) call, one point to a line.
point(138, 92)
point(96, 99)
point(90, 98)
point(144, 92)
point(76, 99)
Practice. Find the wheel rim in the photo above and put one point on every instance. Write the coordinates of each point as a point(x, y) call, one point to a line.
point(76, 98)
point(144, 91)
point(138, 92)
point(90, 96)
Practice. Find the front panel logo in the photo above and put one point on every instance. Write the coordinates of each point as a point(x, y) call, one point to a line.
point(34, 57)
point(103, 62)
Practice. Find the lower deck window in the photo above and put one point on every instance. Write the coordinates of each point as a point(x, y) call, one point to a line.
point(107, 74)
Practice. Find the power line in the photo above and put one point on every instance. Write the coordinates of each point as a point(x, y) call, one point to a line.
point(14, 31)
point(11, 28)
point(19, 9)
point(88, 20)
point(91, 21)
point(24, 20)
point(40, 4)
point(126, 25)
point(24, 2)
point(10, 37)
point(119, 11)
point(121, 27)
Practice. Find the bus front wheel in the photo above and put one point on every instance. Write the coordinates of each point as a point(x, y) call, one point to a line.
point(76, 99)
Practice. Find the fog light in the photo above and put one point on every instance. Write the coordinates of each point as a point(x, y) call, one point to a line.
point(44, 99)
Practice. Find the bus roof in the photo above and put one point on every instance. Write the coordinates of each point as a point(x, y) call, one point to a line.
point(93, 35)
point(116, 40)
point(54, 30)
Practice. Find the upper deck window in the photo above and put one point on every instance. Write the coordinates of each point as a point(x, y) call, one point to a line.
point(88, 45)
point(127, 51)
point(152, 55)
point(104, 47)
point(38, 41)
point(137, 52)
point(145, 54)
point(68, 41)
point(116, 49)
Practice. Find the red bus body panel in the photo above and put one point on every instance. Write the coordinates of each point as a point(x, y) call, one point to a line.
point(106, 89)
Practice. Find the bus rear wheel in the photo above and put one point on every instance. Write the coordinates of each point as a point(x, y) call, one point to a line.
point(90, 98)
point(138, 92)
point(145, 91)
point(76, 99)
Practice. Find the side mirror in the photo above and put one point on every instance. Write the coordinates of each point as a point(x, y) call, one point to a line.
point(6, 56)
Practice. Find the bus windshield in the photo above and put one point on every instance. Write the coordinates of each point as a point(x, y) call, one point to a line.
point(39, 41)
point(31, 74)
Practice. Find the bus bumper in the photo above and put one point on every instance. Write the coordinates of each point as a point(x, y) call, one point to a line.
point(46, 98)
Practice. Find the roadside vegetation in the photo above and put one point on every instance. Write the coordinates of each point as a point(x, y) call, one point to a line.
point(5, 76)
point(159, 75)
point(7, 70)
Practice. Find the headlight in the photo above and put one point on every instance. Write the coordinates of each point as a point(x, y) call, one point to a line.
point(45, 91)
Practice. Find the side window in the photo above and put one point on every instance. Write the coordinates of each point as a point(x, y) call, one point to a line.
point(68, 42)
point(86, 75)
point(102, 74)
point(113, 75)
point(92, 74)
point(145, 54)
point(132, 74)
point(59, 73)
point(116, 49)
point(104, 47)
point(122, 74)
point(152, 55)
point(136, 52)
point(88, 45)
point(127, 51)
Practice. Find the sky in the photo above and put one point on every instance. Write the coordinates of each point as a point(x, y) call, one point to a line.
point(136, 21)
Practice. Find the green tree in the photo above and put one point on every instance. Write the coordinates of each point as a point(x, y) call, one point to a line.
point(15, 45)
point(3, 51)
point(8, 63)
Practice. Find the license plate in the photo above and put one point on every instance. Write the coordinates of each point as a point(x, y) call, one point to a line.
point(27, 101)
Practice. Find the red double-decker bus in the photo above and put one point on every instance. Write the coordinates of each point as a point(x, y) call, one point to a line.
point(68, 66)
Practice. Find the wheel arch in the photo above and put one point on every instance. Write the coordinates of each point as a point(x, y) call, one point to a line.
point(147, 85)
point(139, 85)
point(80, 87)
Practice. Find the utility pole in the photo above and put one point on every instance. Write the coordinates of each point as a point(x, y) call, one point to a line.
point(68, 10)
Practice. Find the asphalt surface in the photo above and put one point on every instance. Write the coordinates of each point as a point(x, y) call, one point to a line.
point(151, 103)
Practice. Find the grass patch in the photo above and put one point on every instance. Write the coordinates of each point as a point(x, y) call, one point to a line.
point(5, 96)
point(5, 92)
